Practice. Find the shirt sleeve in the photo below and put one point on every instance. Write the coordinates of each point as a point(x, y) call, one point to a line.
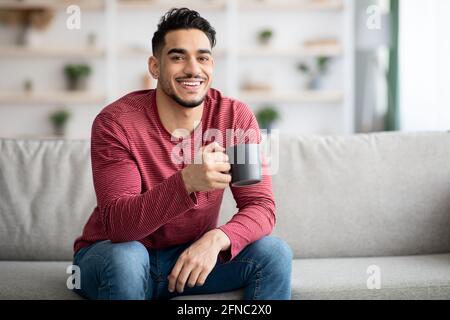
point(256, 205)
point(127, 213)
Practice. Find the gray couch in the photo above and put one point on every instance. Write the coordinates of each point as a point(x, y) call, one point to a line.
point(360, 212)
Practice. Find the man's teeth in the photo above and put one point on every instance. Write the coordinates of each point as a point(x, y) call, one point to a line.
point(191, 83)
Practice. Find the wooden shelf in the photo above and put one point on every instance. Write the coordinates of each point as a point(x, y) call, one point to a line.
point(43, 137)
point(305, 5)
point(262, 51)
point(30, 52)
point(167, 4)
point(51, 97)
point(137, 52)
point(51, 4)
point(311, 96)
point(234, 15)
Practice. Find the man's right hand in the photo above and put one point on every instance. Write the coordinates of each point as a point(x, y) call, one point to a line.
point(209, 170)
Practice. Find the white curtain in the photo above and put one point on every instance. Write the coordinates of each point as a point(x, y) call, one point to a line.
point(424, 57)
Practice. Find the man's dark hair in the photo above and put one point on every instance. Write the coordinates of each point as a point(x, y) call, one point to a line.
point(181, 18)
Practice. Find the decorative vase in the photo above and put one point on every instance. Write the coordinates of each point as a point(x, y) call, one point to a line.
point(313, 82)
point(269, 127)
point(29, 37)
point(266, 42)
point(28, 86)
point(92, 39)
point(77, 83)
point(59, 130)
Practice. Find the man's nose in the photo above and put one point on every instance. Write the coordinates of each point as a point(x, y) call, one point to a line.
point(192, 67)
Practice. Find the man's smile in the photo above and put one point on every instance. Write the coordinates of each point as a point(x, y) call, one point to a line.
point(190, 84)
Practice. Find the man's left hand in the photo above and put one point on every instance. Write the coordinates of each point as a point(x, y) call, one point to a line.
point(196, 262)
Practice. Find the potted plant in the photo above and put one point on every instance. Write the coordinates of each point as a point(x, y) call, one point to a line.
point(30, 22)
point(266, 117)
point(76, 76)
point(59, 121)
point(92, 39)
point(28, 85)
point(265, 36)
point(315, 72)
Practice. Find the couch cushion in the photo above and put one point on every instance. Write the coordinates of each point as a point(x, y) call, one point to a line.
point(384, 194)
point(46, 196)
point(24, 280)
point(363, 195)
point(412, 277)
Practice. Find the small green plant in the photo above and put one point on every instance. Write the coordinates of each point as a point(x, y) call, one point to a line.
point(303, 68)
point(59, 120)
point(321, 66)
point(75, 71)
point(76, 75)
point(265, 36)
point(267, 116)
point(28, 85)
point(316, 71)
point(92, 39)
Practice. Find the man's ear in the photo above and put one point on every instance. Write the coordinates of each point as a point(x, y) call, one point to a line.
point(153, 67)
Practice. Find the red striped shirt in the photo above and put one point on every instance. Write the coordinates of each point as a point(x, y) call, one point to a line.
point(140, 192)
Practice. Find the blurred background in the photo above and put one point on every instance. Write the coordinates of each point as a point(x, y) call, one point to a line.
point(303, 66)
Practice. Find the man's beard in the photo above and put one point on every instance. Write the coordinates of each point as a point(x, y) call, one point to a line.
point(181, 102)
point(187, 104)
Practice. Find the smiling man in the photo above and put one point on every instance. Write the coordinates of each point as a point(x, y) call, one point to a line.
point(154, 233)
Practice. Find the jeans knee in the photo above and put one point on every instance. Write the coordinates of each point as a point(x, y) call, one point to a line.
point(275, 252)
point(115, 271)
point(129, 258)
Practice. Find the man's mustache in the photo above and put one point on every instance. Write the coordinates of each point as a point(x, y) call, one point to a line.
point(189, 77)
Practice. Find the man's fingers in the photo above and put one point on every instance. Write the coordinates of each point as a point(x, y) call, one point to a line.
point(222, 166)
point(182, 277)
point(222, 178)
point(214, 146)
point(215, 157)
point(174, 275)
point(202, 278)
point(220, 156)
point(193, 277)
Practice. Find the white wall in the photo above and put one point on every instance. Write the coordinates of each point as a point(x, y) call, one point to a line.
point(425, 65)
point(292, 29)
point(22, 120)
point(136, 28)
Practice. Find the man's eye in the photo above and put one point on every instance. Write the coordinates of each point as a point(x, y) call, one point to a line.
point(177, 58)
point(203, 59)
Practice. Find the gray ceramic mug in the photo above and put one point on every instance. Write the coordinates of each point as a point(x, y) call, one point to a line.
point(245, 161)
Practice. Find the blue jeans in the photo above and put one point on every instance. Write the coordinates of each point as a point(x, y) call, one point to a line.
point(130, 271)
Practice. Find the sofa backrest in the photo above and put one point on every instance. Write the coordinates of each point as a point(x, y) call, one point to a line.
point(46, 196)
point(337, 196)
point(382, 194)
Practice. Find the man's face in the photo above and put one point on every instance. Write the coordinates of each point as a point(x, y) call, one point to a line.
point(185, 67)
